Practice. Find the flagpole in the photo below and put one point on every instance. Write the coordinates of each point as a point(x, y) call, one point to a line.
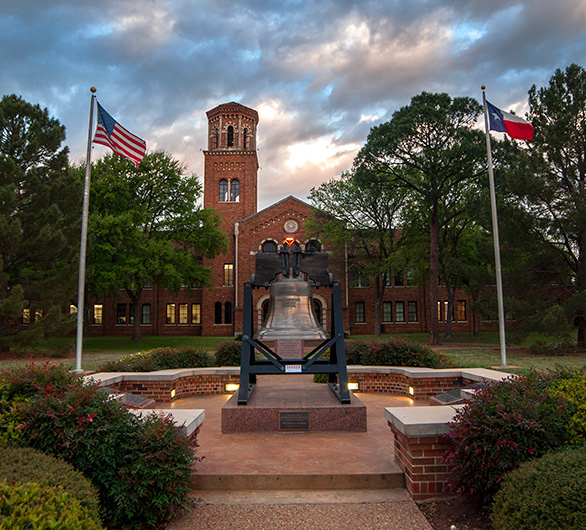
point(495, 236)
point(83, 243)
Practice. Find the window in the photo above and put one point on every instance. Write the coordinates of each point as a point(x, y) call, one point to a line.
point(121, 314)
point(400, 311)
point(228, 274)
point(230, 140)
point(387, 278)
point(72, 309)
point(317, 309)
point(245, 139)
point(26, 316)
point(218, 313)
point(399, 280)
point(360, 315)
point(223, 190)
point(170, 314)
point(228, 313)
point(38, 314)
point(235, 190)
point(439, 312)
point(183, 312)
point(146, 314)
point(131, 313)
point(412, 311)
point(357, 279)
point(387, 311)
point(269, 246)
point(312, 246)
point(461, 311)
point(196, 313)
point(411, 277)
point(98, 313)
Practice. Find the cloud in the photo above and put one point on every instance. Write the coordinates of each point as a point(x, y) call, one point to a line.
point(320, 72)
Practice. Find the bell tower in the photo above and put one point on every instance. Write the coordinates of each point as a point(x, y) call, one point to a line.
point(231, 163)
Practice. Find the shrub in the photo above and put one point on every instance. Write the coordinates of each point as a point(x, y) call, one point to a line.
point(228, 354)
point(574, 390)
point(504, 425)
point(141, 468)
point(546, 493)
point(24, 465)
point(159, 359)
point(32, 506)
point(394, 352)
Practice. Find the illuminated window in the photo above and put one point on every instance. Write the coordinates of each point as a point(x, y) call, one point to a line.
point(26, 316)
point(38, 314)
point(360, 314)
point(461, 311)
point(439, 312)
point(387, 311)
point(400, 311)
point(170, 314)
point(183, 313)
point(146, 314)
point(98, 313)
point(235, 190)
point(228, 274)
point(72, 309)
point(196, 313)
point(412, 311)
point(223, 190)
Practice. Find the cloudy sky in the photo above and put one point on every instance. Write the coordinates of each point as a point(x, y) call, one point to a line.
point(320, 73)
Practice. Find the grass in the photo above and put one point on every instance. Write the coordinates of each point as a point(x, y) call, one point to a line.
point(466, 350)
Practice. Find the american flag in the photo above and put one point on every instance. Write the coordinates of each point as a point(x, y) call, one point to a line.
point(111, 134)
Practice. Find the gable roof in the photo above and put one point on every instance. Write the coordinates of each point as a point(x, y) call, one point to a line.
point(275, 204)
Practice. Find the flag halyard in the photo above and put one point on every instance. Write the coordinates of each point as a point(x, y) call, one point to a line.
point(111, 134)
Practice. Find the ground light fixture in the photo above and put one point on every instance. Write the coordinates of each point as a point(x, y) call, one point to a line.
point(411, 391)
point(231, 387)
point(173, 393)
point(354, 386)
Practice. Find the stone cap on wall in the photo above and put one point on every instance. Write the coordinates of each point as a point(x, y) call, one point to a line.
point(473, 374)
point(422, 421)
point(187, 420)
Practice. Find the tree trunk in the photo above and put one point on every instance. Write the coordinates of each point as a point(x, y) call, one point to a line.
point(136, 298)
point(433, 269)
point(449, 335)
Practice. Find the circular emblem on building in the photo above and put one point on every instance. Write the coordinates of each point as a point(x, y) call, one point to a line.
point(291, 226)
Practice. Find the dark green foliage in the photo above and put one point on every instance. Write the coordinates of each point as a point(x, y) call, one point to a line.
point(546, 493)
point(40, 210)
point(504, 425)
point(159, 359)
point(394, 352)
point(141, 467)
point(23, 464)
point(33, 506)
point(229, 353)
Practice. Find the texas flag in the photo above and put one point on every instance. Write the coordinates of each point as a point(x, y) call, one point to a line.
point(515, 127)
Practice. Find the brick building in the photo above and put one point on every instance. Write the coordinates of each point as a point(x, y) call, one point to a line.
point(231, 188)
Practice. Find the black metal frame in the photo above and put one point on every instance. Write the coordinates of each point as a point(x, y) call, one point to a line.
point(311, 363)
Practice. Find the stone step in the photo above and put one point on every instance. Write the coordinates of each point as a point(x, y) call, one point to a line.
point(257, 482)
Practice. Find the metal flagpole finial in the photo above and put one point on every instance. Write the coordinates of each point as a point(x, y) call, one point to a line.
point(93, 90)
point(483, 87)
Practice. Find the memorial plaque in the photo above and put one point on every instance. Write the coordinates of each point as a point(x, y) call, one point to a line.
point(294, 420)
point(289, 348)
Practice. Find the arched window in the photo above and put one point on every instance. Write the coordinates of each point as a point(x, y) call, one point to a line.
point(228, 313)
point(218, 313)
point(235, 190)
point(269, 246)
point(317, 309)
point(245, 139)
point(313, 246)
point(223, 190)
point(230, 140)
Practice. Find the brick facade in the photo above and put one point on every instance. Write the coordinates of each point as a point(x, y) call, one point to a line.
point(230, 188)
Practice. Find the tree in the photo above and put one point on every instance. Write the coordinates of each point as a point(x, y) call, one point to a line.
point(364, 220)
point(430, 149)
point(146, 225)
point(40, 211)
point(551, 180)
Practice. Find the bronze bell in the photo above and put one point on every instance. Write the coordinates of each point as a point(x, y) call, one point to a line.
point(291, 314)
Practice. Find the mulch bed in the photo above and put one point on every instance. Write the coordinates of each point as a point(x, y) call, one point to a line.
point(460, 512)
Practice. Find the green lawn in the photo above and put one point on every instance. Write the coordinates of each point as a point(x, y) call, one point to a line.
point(466, 350)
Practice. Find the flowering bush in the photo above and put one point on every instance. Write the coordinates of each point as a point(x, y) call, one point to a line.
point(159, 359)
point(394, 352)
point(504, 425)
point(141, 467)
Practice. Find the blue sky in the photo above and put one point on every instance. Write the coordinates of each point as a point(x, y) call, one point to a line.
point(320, 73)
